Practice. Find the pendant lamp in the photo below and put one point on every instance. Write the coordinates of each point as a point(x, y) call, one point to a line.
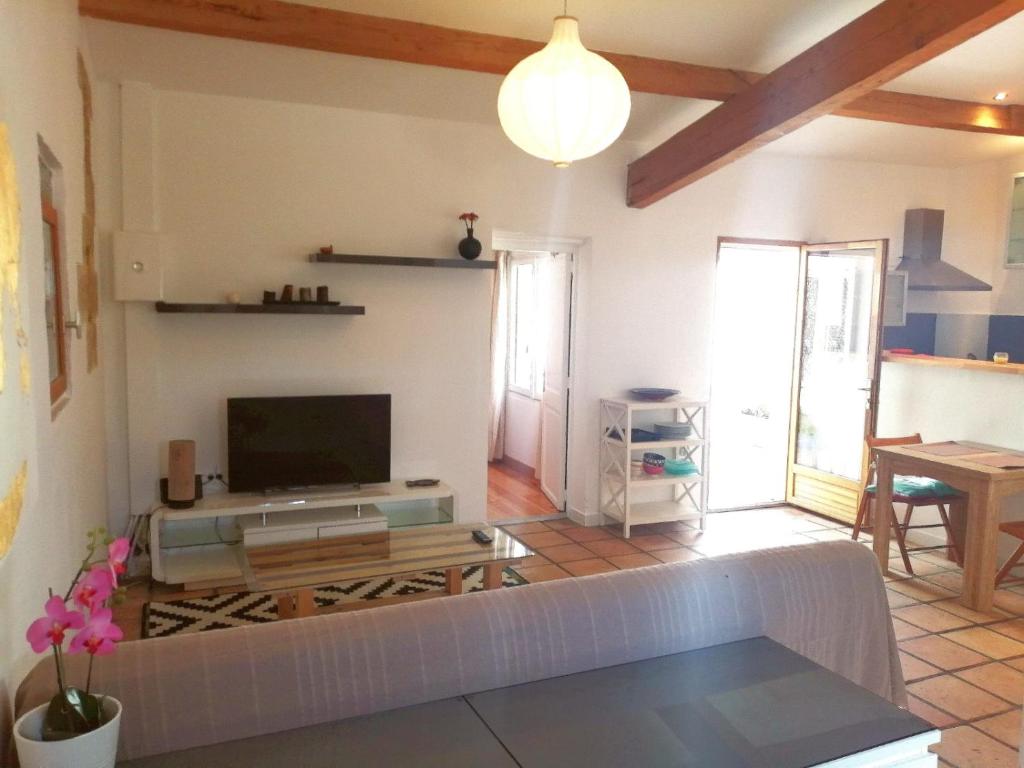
point(563, 103)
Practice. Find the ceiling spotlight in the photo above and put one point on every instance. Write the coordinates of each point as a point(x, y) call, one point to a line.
point(1001, 96)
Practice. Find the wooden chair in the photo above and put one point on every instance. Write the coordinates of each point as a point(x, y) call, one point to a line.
point(912, 502)
point(1015, 529)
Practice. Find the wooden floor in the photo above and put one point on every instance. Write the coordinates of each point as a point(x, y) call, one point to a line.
point(513, 493)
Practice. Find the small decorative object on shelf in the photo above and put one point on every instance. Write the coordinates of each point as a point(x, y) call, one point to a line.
point(306, 295)
point(287, 293)
point(654, 463)
point(77, 727)
point(269, 297)
point(653, 394)
point(234, 297)
point(469, 246)
point(325, 249)
point(323, 294)
point(1000, 357)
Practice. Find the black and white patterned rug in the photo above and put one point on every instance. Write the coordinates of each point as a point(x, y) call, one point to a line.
point(237, 609)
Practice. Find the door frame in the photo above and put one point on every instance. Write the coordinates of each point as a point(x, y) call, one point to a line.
point(577, 249)
point(875, 353)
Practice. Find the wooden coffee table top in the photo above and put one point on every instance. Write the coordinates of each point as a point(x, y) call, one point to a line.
point(427, 548)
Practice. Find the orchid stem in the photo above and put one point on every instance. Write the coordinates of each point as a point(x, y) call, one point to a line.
point(88, 675)
point(59, 661)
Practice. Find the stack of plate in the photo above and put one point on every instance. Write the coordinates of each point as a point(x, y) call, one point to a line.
point(673, 430)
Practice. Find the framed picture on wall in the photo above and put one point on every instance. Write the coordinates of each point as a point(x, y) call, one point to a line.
point(1015, 233)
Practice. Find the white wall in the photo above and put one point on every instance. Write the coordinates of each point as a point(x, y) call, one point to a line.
point(66, 494)
point(246, 188)
point(522, 429)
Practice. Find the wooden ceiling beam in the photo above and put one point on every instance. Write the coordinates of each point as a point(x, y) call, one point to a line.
point(890, 39)
point(355, 34)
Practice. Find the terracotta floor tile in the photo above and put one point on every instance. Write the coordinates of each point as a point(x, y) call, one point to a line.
point(953, 605)
point(561, 525)
point(652, 542)
point(639, 560)
point(685, 537)
point(1016, 663)
point(1013, 628)
point(986, 641)
point(1004, 727)
point(960, 699)
point(534, 560)
point(540, 573)
point(932, 619)
point(676, 555)
point(926, 711)
point(915, 669)
point(606, 547)
point(898, 600)
point(952, 580)
point(905, 631)
point(543, 539)
point(967, 747)
point(1010, 601)
point(565, 552)
point(941, 652)
point(997, 678)
point(828, 534)
point(921, 567)
point(586, 534)
point(921, 590)
point(589, 567)
point(520, 528)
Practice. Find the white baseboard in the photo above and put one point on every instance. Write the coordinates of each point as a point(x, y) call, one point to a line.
point(583, 518)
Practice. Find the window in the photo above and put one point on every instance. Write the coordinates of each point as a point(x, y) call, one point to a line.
point(526, 370)
point(55, 332)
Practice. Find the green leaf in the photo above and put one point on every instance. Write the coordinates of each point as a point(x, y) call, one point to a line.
point(71, 714)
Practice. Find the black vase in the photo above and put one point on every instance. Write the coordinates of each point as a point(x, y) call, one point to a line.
point(469, 246)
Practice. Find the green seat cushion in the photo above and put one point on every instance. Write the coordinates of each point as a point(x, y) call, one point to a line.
point(924, 487)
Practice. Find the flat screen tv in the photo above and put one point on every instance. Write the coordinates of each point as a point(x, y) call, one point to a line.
point(296, 442)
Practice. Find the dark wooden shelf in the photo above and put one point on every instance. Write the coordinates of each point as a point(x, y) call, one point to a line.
point(398, 261)
point(260, 309)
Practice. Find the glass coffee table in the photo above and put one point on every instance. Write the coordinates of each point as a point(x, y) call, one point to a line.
point(293, 570)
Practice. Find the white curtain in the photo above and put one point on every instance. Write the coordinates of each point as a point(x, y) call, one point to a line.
point(499, 355)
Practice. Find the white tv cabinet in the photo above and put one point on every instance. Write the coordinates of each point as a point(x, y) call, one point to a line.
point(202, 545)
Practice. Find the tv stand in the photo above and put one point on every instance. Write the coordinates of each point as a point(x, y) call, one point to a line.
point(188, 546)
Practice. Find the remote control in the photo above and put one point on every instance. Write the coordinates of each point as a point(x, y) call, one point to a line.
point(481, 538)
point(424, 483)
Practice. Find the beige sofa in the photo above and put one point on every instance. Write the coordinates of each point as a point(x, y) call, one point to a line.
point(825, 601)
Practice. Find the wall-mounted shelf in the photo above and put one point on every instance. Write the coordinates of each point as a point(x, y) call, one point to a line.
point(1014, 369)
point(398, 261)
point(260, 309)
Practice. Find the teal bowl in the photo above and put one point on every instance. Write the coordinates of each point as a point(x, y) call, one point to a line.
point(680, 467)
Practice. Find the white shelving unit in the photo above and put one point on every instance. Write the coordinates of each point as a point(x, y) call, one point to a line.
point(625, 498)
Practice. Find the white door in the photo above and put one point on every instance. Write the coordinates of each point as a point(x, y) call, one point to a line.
point(553, 315)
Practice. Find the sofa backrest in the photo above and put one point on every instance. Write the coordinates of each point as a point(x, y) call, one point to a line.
point(825, 601)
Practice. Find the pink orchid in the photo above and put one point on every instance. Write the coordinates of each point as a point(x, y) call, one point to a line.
point(99, 635)
point(95, 588)
point(117, 554)
point(49, 630)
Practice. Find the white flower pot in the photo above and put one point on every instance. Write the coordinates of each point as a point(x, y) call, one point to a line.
point(96, 749)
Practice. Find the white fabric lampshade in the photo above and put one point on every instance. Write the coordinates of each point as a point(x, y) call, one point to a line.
point(564, 102)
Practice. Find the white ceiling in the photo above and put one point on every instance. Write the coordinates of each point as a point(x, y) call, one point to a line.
point(743, 34)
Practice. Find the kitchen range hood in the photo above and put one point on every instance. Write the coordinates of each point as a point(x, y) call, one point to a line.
point(922, 256)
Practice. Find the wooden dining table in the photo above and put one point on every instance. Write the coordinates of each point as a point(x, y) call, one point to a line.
point(986, 474)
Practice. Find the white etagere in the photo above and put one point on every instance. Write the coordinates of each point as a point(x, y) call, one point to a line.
point(628, 499)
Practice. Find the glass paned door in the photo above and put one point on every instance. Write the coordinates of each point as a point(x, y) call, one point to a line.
point(836, 375)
